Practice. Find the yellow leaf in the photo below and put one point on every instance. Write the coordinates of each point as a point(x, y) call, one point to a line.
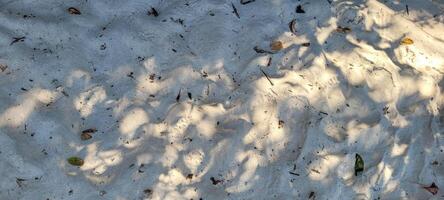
point(406, 41)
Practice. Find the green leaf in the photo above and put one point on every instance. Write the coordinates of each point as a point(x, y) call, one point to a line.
point(359, 164)
point(76, 161)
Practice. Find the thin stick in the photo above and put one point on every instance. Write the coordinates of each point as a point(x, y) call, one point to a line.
point(235, 11)
point(266, 76)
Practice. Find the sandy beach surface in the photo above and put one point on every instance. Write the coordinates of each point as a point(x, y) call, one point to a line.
point(218, 99)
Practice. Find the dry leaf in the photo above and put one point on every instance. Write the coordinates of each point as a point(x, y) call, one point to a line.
point(74, 11)
point(311, 195)
point(341, 29)
point(85, 136)
point(153, 12)
point(406, 41)
point(299, 9)
point(190, 176)
point(432, 189)
point(76, 161)
point(3, 67)
point(292, 26)
point(359, 164)
point(281, 124)
point(90, 130)
point(276, 45)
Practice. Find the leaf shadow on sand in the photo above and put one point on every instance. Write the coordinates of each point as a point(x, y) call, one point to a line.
point(197, 122)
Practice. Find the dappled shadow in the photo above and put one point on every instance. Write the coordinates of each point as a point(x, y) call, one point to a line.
point(184, 108)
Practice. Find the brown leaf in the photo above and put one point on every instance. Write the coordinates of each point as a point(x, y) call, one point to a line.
point(85, 136)
point(341, 29)
point(178, 96)
point(311, 195)
point(299, 9)
point(281, 124)
point(215, 181)
point(153, 12)
point(406, 41)
point(90, 130)
point(87, 133)
point(17, 39)
point(190, 176)
point(3, 67)
point(432, 189)
point(276, 45)
point(148, 192)
point(74, 11)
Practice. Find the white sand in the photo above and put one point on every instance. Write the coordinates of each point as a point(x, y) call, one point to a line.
point(113, 68)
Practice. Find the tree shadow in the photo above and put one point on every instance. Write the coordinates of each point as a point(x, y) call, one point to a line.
point(190, 114)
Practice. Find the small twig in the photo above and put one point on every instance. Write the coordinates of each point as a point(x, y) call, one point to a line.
point(258, 50)
point(243, 2)
point(292, 173)
point(235, 10)
point(269, 62)
point(17, 39)
point(266, 76)
point(321, 112)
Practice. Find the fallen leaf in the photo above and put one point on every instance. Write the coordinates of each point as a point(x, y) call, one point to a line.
point(153, 12)
point(311, 195)
point(90, 130)
point(432, 189)
point(281, 124)
point(190, 176)
point(76, 161)
point(17, 39)
point(74, 11)
point(341, 29)
point(19, 181)
point(178, 96)
point(406, 41)
point(148, 192)
point(3, 67)
point(359, 164)
point(292, 26)
point(215, 181)
point(276, 45)
point(85, 136)
point(299, 9)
